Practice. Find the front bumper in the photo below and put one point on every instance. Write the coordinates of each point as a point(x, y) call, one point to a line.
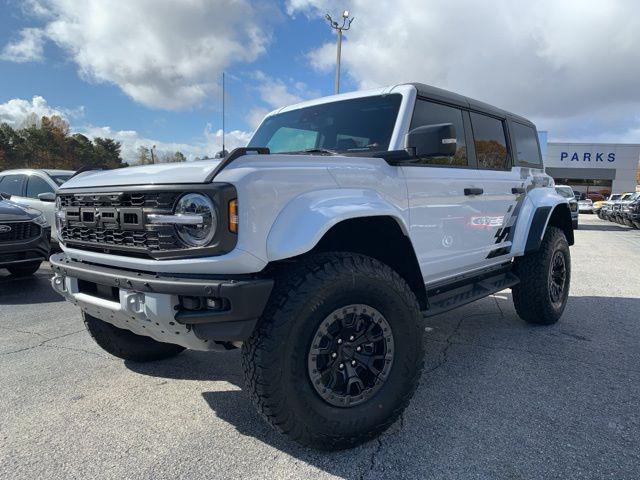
point(150, 304)
point(36, 250)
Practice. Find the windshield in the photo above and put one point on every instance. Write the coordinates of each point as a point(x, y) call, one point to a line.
point(60, 178)
point(565, 192)
point(356, 125)
point(614, 197)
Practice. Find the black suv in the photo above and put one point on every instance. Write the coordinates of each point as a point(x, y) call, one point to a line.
point(24, 238)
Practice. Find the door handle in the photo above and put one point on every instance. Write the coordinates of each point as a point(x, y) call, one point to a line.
point(473, 191)
point(518, 190)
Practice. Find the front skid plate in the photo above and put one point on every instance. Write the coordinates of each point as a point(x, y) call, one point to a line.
point(146, 314)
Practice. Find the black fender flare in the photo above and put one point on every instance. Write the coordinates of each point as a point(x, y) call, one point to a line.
point(558, 215)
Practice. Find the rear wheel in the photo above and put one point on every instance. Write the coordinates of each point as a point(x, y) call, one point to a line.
point(24, 269)
point(545, 276)
point(127, 345)
point(338, 352)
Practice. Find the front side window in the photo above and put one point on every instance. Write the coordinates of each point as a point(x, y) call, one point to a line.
point(527, 150)
point(36, 186)
point(12, 184)
point(429, 113)
point(490, 142)
point(356, 125)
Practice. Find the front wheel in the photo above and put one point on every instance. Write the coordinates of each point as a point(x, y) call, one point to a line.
point(338, 352)
point(545, 276)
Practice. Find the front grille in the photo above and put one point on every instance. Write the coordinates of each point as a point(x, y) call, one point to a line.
point(117, 221)
point(161, 238)
point(18, 231)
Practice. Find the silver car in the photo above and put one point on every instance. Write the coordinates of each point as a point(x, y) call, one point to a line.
point(36, 189)
point(567, 192)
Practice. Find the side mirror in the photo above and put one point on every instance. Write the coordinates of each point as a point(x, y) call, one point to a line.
point(432, 140)
point(47, 197)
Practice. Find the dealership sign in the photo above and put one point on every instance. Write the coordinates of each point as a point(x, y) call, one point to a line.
point(588, 157)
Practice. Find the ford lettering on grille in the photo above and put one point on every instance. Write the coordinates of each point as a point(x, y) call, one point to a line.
point(117, 221)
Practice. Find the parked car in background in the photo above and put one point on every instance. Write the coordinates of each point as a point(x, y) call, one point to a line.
point(595, 197)
point(24, 238)
point(625, 209)
point(633, 213)
point(616, 208)
point(585, 206)
point(568, 193)
point(607, 206)
point(597, 205)
point(36, 189)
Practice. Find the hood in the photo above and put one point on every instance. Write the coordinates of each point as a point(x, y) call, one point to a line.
point(11, 212)
point(164, 173)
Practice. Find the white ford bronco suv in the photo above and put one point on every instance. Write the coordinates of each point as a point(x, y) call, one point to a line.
point(319, 248)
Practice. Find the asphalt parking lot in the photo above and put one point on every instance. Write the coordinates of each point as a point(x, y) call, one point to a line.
point(498, 398)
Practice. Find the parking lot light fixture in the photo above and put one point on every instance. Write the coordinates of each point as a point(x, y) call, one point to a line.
point(346, 25)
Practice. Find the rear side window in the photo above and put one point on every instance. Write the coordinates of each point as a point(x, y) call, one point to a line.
point(527, 150)
point(429, 113)
point(36, 186)
point(490, 142)
point(12, 184)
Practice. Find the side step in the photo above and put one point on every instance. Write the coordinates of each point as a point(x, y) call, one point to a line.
point(443, 299)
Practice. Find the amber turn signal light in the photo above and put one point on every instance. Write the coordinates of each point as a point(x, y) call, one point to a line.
point(233, 215)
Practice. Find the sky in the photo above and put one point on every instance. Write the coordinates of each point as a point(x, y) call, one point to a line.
point(148, 72)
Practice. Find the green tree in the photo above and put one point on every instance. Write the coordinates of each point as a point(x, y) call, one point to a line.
point(144, 156)
point(46, 143)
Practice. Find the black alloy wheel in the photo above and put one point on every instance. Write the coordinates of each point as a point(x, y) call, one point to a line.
point(557, 277)
point(351, 355)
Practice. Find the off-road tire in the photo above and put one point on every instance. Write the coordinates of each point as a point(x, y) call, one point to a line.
point(127, 345)
point(24, 270)
point(532, 297)
point(275, 357)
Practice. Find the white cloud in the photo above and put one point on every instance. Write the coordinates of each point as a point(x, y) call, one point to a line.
point(16, 112)
point(553, 61)
point(276, 93)
point(28, 48)
point(208, 145)
point(256, 115)
point(162, 54)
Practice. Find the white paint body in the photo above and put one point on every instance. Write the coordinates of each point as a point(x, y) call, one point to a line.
point(288, 202)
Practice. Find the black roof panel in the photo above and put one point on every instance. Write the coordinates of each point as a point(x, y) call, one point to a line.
point(454, 98)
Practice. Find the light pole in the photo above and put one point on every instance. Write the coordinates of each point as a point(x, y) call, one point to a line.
point(346, 25)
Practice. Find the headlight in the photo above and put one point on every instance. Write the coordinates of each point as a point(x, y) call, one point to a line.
point(197, 234)
point(40, 220)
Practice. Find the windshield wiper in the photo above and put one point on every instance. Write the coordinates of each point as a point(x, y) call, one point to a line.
point(325, 151)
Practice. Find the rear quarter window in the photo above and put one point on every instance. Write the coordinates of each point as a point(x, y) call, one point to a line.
point(526, 139)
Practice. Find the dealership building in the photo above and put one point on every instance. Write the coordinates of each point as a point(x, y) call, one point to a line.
point(592, 167)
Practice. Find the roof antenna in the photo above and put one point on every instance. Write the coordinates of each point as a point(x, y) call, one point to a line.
point(222, 153)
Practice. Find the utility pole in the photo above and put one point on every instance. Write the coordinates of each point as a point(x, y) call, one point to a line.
point(346, 25)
